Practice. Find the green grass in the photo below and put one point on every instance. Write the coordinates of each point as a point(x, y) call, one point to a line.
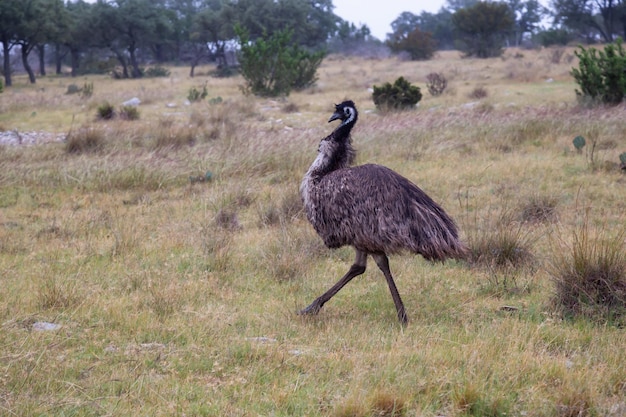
point(179, 297)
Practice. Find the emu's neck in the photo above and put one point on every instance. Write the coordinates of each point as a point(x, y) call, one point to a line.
point(335, 152)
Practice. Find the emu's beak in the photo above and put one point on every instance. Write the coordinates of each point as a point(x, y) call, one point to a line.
point(335, 116)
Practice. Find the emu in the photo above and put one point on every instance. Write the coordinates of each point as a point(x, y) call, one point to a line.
point(373, 209)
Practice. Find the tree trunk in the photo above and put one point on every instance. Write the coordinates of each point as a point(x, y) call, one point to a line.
point(41, 49)
point(122, 60)
point(75, 57)
point(136, 72)
point(58, 59)
point(6, 51)
point(31, 75)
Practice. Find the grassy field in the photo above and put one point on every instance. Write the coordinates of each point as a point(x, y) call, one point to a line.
point(178, 296)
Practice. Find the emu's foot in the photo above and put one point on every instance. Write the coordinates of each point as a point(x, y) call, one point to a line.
point(402, 317)
point(311, 310)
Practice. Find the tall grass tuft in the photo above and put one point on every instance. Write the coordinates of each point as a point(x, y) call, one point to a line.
point(56, 294)
point(470, 401)
point(589, 273)
point(500, 245)
point(538, 209)
point(284, 211)
point(86, 139)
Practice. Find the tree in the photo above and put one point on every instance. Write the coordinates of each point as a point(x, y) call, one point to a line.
point(312, 22)
point(274, 65)
point(211, 29)
point(125, 26)
point(591, 18)
point(11, 14)
point(601, 75)
point(403, 25)
point(418, 44)
point(528, 15)
point(78, 36)
point(482, 28)
point(40, 24)
point(438, 25)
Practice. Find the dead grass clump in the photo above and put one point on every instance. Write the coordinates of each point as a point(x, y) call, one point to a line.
point(470, 401)
point(385, 404)
point(175, 137)
point(54, 294)
point(589, 274)
point(130, 178)
point(478, 93)
point(290, 108)
point(501, 246)
point(538, 209)
point(86, 139)
point(573, 402)
point(436, 83)
point(556, 55)
point(129, 113)
point(226, 218)
point(287, 209)
point(530, 130)
point(289, 256)
point(352, 408)
point(217, 245)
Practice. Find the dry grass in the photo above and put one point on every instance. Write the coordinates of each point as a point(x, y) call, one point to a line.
point(178, 297)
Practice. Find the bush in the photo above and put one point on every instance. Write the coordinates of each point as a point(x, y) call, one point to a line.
point(418, 44)
point(87, 139)
point(195, 94)
point(272, 66)
point(600, 74)
point(157, 71)
point(105, 111)
point(85, 91)
point(73, 89)
point(436, 83)
point(590, 274)
point(129, 113)
point(1, 86)
point(551, 37)
point(478, 93)
point(399, 96)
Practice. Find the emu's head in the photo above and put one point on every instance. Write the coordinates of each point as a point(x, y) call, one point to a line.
point(346, 112)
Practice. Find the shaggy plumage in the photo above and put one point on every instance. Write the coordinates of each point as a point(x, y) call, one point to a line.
point(373, 209)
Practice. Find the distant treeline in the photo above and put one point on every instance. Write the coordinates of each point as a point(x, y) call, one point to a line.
point(126, 35)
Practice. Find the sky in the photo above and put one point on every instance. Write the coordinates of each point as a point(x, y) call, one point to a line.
point(378, 15)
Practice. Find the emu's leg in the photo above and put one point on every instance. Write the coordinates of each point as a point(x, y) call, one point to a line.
point(383, 263)
point(357, 268)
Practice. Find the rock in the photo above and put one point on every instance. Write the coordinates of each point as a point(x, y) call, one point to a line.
point(43, 326)
point(132, 102)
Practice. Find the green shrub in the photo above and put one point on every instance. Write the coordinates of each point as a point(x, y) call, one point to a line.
point(87, 90)
point(129, 113)
point(1, 86)
point(73, 89)
point(600, 74)
point(399, 96)
point(156, 71)
point(195, 94)
point(105, 111)
point(272, 66)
